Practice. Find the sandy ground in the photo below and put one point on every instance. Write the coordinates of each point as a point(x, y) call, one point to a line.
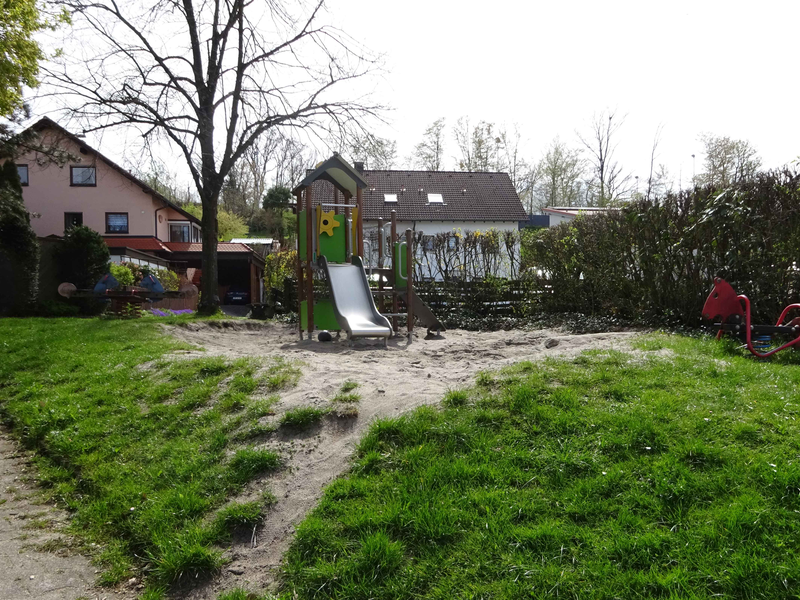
point(391, 381)
point(37, 560)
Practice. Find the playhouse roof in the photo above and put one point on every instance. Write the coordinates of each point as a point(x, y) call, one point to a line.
point(337, 171)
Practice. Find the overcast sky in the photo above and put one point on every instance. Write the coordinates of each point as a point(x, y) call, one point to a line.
point(726, 68)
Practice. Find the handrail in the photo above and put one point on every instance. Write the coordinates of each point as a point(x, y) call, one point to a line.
point(400, 260)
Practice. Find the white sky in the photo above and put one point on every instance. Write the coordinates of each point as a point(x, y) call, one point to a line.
point(726, 68)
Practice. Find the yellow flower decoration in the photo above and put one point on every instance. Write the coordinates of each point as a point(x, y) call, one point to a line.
point(327, 222)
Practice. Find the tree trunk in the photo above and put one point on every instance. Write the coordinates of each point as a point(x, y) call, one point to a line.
point(209, 284)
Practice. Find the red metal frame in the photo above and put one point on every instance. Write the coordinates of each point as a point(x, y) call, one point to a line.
point(723, 303)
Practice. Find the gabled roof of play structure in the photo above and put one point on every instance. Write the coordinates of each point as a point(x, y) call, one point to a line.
point(336, 171)
point(464, 196)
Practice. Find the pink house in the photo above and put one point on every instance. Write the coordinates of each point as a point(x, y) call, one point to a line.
point(138, 224)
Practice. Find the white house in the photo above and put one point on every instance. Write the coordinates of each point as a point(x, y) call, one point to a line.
point(435, 202)
point(565, 214)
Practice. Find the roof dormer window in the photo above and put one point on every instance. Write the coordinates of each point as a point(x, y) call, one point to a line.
point(390, 197)
point(435, 199)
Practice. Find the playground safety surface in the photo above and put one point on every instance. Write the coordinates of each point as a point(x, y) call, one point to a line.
point(391, 382)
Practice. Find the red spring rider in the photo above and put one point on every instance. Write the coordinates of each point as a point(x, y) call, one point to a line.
point(730, 313)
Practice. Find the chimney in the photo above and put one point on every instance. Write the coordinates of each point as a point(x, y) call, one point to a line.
point(358, 166)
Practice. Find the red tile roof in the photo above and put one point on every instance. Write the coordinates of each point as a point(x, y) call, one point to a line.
point(198, 247)
point(466, 196)
point(136, 243)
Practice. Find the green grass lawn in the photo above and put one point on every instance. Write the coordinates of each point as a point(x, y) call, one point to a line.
point(671, 472)
point(146, 452)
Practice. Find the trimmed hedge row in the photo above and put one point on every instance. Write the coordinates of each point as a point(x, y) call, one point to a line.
point(655, 260)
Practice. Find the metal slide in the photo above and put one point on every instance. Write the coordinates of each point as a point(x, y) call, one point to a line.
point(352, 300)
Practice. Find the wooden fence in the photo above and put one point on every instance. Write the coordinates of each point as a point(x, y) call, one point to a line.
point(173, 304)
point(496, 298)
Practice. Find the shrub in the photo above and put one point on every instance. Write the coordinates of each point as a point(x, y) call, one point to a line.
point(122, 274)
point(18, 240)
point(82, 257)
point(279, 266)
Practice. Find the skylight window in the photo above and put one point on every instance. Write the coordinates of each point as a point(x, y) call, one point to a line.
point(435, 199)
point(390, 197)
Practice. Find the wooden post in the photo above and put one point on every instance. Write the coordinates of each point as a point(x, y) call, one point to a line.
point(309, 263)
point(395, 303)
point(360, 224)
point(380, 265)
point(299, 271)
point(410, 282)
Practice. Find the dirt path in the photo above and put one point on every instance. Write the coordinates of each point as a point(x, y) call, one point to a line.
point(37, 560)
point(390, 381)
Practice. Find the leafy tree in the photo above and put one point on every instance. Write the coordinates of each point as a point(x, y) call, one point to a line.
point(19, 52)
point(82, 256)
point(428, 155)
point(375, 152)
point(277, 197)
point(479, 146)
point(210, 79)
point(727, 161)
point(229, 225)
point(17, 239)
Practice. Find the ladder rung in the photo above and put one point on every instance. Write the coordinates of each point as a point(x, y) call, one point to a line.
point(395, 314)
point(384, 291)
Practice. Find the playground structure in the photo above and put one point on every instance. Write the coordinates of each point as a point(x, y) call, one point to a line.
point(331, 244)
point(730, 313)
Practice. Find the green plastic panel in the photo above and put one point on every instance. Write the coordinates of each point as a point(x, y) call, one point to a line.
point(332, 247)
point(324, 317)
point(400, 268)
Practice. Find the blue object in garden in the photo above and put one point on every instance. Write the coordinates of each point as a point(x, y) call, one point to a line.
point(108, 282)
point(150, 283)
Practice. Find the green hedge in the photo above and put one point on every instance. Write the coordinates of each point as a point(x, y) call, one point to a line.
point(655, 260)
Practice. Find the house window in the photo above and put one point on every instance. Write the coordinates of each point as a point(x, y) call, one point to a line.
point(83, 176)
point(179, 232)
point(195, 234)
point(22, 170)
point(390, 197)
point(452, 241)
point(427, 243)
point(72, 219)
point(435, 199)
point(116, 222)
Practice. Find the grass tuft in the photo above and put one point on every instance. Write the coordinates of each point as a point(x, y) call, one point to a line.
point(302, 418)
point(348, 386)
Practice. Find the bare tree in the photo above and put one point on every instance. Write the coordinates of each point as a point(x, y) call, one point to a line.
point(609, 183)
point(727, 161)
point(210, 78)
point(656, 141)
point(560, 175)
point(509, 159)
point(429, 153)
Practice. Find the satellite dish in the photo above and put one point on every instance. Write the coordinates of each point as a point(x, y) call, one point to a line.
point(66, 289)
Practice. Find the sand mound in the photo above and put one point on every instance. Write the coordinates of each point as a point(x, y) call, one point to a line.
point(391, 381)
